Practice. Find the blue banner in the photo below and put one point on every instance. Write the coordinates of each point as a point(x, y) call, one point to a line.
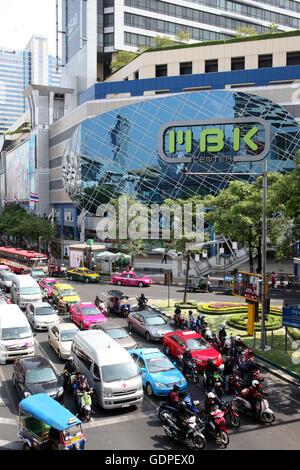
point(291, 316)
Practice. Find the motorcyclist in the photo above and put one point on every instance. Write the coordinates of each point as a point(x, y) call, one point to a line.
point(210, 369)
point(177, 314)
point(187, 359)
point(237, 347)
point(228, 370)
point(253, 396)
point(174, 395)
point(222, 334)
point(69, 368)
point(218, 392)
point(183, 413)
point(142, 301)
point(201, 283)
point(209, 406)
point(82, 386)
point(202, 325)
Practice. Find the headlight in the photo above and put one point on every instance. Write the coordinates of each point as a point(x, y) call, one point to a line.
point(60, 391)
point(183, 381)
point(106, 395)
point(27, 394)
point(160, 385)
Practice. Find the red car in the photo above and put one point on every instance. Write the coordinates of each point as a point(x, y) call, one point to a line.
point(85, 314)
point(175, 343)
point(131, 279)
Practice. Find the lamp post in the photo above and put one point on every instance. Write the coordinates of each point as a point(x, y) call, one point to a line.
point(264, 234)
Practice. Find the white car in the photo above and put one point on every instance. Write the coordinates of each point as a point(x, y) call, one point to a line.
point(41, 315)
point(6, 279)
point(60, 338)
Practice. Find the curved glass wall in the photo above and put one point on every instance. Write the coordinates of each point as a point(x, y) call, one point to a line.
point(118, 152)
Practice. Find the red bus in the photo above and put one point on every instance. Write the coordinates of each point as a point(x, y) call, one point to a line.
point(19, 260)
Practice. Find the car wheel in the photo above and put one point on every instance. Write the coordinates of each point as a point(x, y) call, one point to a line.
point(130, 326)
point(119, 283)
point(87, 280)
point(167, 350)
point(140, 284)
point(148, 336)
point(149, 389)
point(81, 325)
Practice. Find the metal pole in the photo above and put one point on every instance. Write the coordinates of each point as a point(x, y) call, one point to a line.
point(264, 236)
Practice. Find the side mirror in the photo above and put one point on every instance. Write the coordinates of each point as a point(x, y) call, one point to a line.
point(96, 379)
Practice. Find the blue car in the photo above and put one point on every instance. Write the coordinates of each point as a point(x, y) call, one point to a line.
point(158, 373)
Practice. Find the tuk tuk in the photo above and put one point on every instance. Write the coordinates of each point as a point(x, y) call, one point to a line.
point(228, 285)
point(117, 302)
point(44, 424)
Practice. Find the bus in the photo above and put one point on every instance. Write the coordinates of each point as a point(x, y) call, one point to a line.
point(19, 260)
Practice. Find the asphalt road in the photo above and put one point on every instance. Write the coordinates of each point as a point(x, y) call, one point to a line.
point(139, 429)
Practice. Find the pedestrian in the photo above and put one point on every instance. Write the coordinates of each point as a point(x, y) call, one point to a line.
point(273, 279)
point(164, 258)
point(128, 268)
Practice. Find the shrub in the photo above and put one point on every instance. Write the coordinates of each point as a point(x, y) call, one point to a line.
point(190, 305)
point(239, 322)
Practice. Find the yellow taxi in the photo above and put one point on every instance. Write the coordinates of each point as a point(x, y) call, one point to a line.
point(82, 274)
point(64, 295)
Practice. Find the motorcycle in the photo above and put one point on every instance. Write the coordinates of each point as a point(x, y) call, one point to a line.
point(142, 303)
point(235, 383)
point(164, 409)
point(263, 411)
point(192, 371)
point(101, 305)
point(69, 380)
point(213, 379)
point(231, 411)
point(216, 428)
point(193, 431)
point(85, 410)
point(179, 320)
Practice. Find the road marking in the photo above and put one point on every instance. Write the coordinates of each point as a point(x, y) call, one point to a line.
point(13, 445)
point(118, 419)
point(11, 421)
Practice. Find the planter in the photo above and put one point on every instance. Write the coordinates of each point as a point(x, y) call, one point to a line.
point(239, 322)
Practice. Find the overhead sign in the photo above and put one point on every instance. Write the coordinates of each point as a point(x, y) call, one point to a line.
point(291, 316)
point(237, 139)
point(247, 285)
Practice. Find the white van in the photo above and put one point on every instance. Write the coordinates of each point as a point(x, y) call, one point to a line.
point(25, 290)
point(109, 369)
point(16, 337)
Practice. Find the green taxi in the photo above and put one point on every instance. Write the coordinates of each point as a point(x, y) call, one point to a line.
point(82, 274)
point(64, 295)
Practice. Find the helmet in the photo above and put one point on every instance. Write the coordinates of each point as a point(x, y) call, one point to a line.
point(201, 317)
point(187, 349)
point(70, 359)
point(182, 405)
point(190, 312)
point(218, 385)
point(255, 383)
point(82, 378)
point(211, 396)
point(175, 387)
point(238, 338)
point(222, 327)
point(221, 367)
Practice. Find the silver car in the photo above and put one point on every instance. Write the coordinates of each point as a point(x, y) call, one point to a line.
point(6, 279)
point(41, 315)
point(149, 323)
point(117, 332)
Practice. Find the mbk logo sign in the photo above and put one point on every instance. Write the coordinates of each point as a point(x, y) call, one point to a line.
point(244, 135)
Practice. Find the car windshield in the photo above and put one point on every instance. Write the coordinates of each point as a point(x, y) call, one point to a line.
point(153, 321)
point(197, 344)
point(17, 332)
point(116, 333)
point(73, 431)
point(39, 375)
point(8, 277)
point(66, 292)
point(29, 290)
point(44, 311)
point(159, 364)
point(87, 271)
point(115, 372)
point(51, 283)
point(68, 335)
point(90, 311)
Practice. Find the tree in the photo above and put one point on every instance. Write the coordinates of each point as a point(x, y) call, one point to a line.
point(162, 41)
point(237, 212)
point(244, 31)
point(273, 27)
point(123, 58)
point(182, 37)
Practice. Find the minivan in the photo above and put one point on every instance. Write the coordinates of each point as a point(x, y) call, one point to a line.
point(109, 369)
point(16, 337)
point(25, 290)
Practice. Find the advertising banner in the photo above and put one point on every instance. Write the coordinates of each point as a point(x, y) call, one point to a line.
point(75, 258)
point(291, 316)
point(247, 285)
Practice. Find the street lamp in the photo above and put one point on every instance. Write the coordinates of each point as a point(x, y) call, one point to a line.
point(185, 171)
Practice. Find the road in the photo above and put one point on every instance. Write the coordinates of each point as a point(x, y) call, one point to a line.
point(139, 429)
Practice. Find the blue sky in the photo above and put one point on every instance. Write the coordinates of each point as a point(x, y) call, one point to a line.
point(19, 20)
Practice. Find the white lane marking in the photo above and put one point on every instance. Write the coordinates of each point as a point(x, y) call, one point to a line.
point(13, 445)
point(118, 419)
point(11, 421)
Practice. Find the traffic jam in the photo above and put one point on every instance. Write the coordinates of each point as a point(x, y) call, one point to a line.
point(104, 365)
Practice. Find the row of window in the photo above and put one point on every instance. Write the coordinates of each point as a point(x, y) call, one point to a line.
point(138, 40)
point(166, 27)
point(291, 5)
point(237, 63)
point(191, 14)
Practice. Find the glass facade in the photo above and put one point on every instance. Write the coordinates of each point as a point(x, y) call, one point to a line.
point(120, 151)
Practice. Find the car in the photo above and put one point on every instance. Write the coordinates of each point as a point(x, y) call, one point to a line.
point(3, 267)
point(4, 299)
point(149, 323)
point(82, 274)
point(117, 332)
point(35, 374)
point(46, 286)
point(6, 279)
point(158, 373)
point(64, 295)
point(41, 315)
point(60, 338)
point(85, 314)
point(36, 273)
point(175, 343)
point(131, 279)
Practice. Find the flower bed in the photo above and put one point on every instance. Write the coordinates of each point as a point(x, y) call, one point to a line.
point(239, 322)
point(222, 308)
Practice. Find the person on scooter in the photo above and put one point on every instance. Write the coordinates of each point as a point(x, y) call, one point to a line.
point(69, 369)
point(177, 315)
point(174, 395)
point(187, 359)
point(142, 301)
point(183, 413)
point(210, 369)
point(222, 335)
point(228, 370)
point(82, 386)
point(238, 346)
point(253, 396)
point(218, 392)
point(209, 405)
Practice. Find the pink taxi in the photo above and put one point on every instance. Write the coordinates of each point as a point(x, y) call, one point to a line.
point(85, 314)
point(131, 279)
point(46, 286)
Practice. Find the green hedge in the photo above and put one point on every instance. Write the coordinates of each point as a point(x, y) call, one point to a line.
point(201, 308)
point(294, 332)
point(239, 322)
point(190, 305)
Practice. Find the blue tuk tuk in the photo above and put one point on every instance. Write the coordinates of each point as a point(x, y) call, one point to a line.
point(46, 424)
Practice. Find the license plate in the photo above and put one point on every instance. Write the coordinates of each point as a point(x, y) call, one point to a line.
point(74, 439)
point(125, 405)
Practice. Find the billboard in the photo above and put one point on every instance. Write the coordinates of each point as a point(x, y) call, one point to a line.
point(20, 165)
point(74, 21)
point(247, 285)
point(291, 316)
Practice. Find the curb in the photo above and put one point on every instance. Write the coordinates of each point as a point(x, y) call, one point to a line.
point(182, 284)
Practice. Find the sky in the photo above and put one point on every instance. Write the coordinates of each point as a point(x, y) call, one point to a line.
point(20, 19)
